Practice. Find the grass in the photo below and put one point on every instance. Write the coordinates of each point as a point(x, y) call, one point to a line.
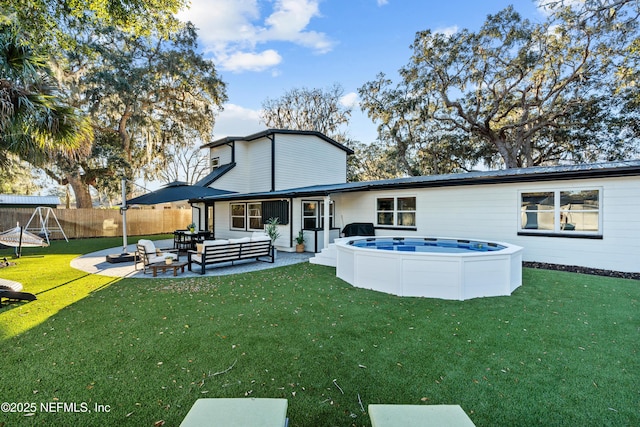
point(563, 350)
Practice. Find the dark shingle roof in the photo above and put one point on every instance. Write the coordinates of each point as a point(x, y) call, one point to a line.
point(269, 132)
point(214, 175)
point(534, 174)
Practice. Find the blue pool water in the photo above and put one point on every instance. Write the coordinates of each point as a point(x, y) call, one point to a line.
point(427, 245)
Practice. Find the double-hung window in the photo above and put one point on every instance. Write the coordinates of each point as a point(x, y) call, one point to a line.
point(396, 212)
point(564, 212)
point(246, 216)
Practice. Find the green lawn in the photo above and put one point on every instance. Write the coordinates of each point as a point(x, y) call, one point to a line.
point(563, 350)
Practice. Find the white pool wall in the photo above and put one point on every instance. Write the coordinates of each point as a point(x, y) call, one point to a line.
point(452, 276)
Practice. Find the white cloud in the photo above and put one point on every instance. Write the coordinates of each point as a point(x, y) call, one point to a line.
point(249, 61)
point(350, 100)
point(231, 30)
point(547, 7)
point(447, 31)
point(382, 2)
point(235, 120)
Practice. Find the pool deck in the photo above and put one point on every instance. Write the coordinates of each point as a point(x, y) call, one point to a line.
point(96, 263)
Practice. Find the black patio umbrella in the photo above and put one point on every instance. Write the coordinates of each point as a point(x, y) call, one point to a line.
point(175, 191)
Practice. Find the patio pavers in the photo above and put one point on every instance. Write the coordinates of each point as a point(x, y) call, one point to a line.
point(95, 263)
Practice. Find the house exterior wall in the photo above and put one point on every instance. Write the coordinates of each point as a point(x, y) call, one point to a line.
point(300, 160)
point(492, 212)
point(237, 179)
point(303, 160)
point(223, 152)
point(259, 164)
point(223, 229)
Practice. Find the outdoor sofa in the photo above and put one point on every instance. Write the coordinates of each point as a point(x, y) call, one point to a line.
point(212, 252)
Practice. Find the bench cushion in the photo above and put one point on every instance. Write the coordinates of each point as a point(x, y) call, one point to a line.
point(240, 240)
point(200, 246)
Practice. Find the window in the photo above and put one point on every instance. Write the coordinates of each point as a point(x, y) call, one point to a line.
point(215, 162)
point(313, 214)
point(396, 212)
point(255, 216)
point(246, 216)
point(310, 215)
point(575, 212)
point(238, 216)
point(210, 218)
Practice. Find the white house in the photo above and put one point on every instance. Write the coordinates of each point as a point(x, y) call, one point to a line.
point(585, 215)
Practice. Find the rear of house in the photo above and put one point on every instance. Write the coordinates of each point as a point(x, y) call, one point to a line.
point(584, 215)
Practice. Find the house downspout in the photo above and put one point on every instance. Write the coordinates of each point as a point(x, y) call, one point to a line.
point(272, 138)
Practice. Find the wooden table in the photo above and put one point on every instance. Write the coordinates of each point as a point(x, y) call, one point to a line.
point(164, 267)
point(245, 412)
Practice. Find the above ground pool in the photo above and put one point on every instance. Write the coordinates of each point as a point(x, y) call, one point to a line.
point(427, 244)
point(447, 268)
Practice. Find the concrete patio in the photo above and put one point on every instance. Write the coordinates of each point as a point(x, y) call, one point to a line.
point(95, 263)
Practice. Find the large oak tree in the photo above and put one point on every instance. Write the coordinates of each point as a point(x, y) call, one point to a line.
point(145, 94)
point(515, 93)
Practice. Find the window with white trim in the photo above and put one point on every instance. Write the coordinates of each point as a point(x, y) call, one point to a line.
point(215, 162)
point(396, 212)
point(576, 211)
point(246, 216)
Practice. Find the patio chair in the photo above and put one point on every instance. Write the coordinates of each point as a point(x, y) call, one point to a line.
point(147, 253)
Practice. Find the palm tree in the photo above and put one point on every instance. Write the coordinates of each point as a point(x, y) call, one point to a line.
point(34, 122)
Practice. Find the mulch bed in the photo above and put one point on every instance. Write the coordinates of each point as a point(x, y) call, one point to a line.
point(582, 270)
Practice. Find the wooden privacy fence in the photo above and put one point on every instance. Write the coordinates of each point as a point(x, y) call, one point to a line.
point(80, 223)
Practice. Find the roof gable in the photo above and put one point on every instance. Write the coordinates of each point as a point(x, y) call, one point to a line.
point(270, 132)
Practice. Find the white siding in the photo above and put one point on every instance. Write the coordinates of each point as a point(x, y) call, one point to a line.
point(303, 160)
point(259, 165)
point(300, 161)
point(223, 152)
point(237, 179)
point(492, 212)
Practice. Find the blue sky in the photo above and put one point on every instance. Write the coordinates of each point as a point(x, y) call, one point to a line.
point(263, 48)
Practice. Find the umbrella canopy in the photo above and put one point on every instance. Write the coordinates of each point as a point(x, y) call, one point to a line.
point(175, 191)
point(13, 239)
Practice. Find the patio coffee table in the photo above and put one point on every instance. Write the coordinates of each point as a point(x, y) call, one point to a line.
point(164, 267)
